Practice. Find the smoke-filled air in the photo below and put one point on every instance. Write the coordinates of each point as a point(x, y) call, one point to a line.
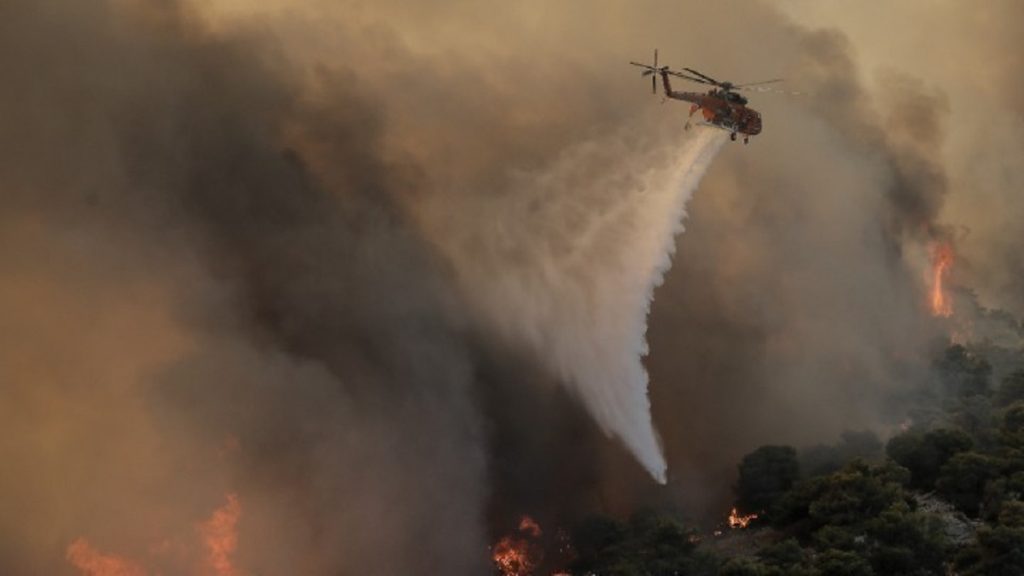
point(399, 288)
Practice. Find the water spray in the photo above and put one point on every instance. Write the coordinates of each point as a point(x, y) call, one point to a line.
point(566, 264)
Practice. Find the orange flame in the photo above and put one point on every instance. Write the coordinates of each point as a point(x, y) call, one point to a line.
point(512, 557)
point(942, 260)
point(737, 520)
point(528, 526)
point(515, 555)
point(91, 562)
point(220, 537)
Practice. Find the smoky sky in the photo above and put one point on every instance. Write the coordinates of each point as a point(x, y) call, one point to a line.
point(224, 265)
point(302, 343)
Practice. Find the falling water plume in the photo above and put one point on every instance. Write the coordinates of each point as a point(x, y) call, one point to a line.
point(566, 263)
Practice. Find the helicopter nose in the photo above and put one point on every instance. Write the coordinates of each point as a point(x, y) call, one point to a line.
point(754, 123)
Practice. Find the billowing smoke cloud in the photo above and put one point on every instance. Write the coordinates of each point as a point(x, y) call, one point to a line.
point(983, 143)
point(191, 311)
point(247, 250)
point(904, 131)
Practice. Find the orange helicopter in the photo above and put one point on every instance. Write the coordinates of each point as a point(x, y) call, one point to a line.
point(721, 106)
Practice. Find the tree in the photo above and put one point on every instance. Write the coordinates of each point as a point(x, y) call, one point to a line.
point(785, 555)
point(999, 552)
point(1011, 389)
point(1011, 433)
point(855, 494)
point(651, 544)
point(974, 415)
point(824, 459)
point(963, 479)
point(765, 475)
point(1003, 491)
point(861, 512)
point(746, 567)
point(962, 372)
point(842, 563)
point(924, 455)
point(906, 542)
point(1012, 514)
point(824, 507)
point(598, 541)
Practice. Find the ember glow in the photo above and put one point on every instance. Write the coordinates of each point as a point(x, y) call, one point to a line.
point(218, 536)
point(737, 520)
point(518, 554)
point(512, 557)
point(942, 260)
point(529, 526)
point(91, 562)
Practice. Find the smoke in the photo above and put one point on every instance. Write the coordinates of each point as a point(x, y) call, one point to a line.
point(903, 128)
point(192, 310)
point(338, 259)
point(778, 329)
point(566, 260)
point(983, 144)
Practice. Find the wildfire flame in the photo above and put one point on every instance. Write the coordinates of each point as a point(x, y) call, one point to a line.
point(528, 526)
point(942, 260)
point(91, 562)
point(515, 555)
point(220, 537)
point(737, 520)
point(512, 557)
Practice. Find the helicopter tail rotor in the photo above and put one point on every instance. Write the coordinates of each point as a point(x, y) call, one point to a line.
point(654, 81)
point(652, 70)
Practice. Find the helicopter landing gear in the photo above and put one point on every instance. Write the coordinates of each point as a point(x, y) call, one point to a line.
point(732, 136)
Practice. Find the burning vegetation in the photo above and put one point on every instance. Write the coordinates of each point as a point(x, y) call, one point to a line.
point(737, 520)
point(520, 553)
point(941, 255)
point(91, 562)
point(218, 536)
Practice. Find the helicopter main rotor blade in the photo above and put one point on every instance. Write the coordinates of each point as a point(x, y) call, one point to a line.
point(764, 89)
point(654, 85)
point(704, 76)
point(690, 78)
point(744, 85)
point(648, 69)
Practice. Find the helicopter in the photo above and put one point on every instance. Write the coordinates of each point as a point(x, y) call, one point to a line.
point(721, 106)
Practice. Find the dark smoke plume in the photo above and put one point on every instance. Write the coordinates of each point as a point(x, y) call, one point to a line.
point(162, 167)
point(227, 260)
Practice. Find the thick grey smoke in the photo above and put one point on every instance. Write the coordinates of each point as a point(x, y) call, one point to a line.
point(234, 259)
point(903, 128)
point(983, 144)
point(190, 310)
